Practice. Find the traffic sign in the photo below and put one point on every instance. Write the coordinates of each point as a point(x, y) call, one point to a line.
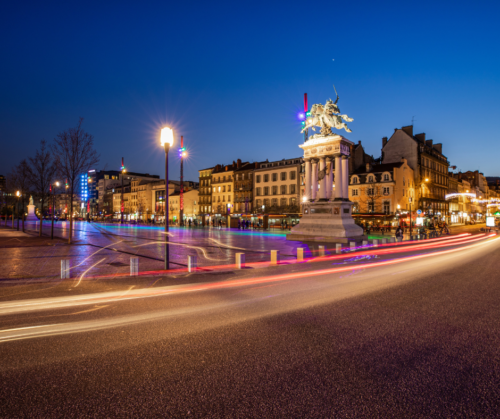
point(419, 211)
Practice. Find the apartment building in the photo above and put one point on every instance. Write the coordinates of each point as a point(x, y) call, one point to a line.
point(205, 191)
point(429, 165)
point(380, 190)
point(277, 186)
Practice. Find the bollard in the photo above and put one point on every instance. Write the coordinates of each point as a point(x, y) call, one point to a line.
point(392, 240)
point(65, 266)
point(300, 254)
point(338, 247)
point(400, 239)
point(275, 257)
point(192, 263)
point(365, 242)
point(353, 245)
point(321, 251)
point(240, 260)
point(375, 243)
point(134, 266)
point(384, 241)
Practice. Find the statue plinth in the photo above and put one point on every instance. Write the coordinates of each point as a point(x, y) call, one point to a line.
point(327, 215)
point(31, 213)
point(329, 222)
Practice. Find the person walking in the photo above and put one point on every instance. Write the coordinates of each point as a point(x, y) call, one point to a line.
point(399, 233)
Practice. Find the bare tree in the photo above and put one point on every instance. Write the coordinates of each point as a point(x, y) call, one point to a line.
point(41, 174)
point(373, 196)
point(21, 180)
point(75, 154)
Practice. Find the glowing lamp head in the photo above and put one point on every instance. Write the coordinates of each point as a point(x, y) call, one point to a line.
point(57, 184)
point(301, 116)
point(167, 136)
point(18, 193)
point(427, 180)
point(304, 199)
point(308, 113)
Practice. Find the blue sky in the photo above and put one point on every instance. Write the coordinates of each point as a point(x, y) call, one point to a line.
point(230, 76)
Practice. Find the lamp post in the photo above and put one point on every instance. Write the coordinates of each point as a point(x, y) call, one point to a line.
point(182, 154)
point(53, 208)
point(18, 194)
point(121, 200)
point(167, 140)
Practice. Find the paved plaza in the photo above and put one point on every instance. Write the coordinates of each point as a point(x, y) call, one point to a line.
point(105, 249)
point(102, 249)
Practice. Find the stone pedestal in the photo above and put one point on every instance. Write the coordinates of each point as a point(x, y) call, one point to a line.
point(31, 214)
point(327, 218)
point(329, 222)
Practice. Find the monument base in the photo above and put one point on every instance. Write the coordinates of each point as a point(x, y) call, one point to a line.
point(329, 222)
point(31, 214)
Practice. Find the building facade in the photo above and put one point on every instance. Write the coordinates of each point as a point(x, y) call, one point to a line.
point(383, 193)
point(277, 186)
point(429, 164)
point(205, 191)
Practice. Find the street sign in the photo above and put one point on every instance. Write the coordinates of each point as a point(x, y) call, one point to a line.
point(410, 200)
point(419, 211)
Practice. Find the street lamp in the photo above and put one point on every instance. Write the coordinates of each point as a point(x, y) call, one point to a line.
point(53, 208)
point(121, 200)
point(167, 141)
point(18, 194)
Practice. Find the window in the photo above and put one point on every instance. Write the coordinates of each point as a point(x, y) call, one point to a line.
point(229, 198)
point(293, 201)
point(386, 191)
point(354, 179)
point(223, 178)
point(257, 191)
point(223, 198)
point(292, 188)
point(274, 202)
point(275, 190)
point(283, 175)
point(218, 199)
point(266, 190)
point(229, 188)
point(258, 202)
point(266, 178)
point(387, 207)
point(293, 175)
point(386, 177)
point(275, 177)
point(371, 206)
point(283, 202)
point(223, 189)
point(283, 189)
point(354, 192)
point(370, 178)
point(266, 202)
point(370, 191)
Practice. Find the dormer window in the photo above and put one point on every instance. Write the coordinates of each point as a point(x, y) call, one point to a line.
point(355, 180)
point(370, 178)
point(387, 178)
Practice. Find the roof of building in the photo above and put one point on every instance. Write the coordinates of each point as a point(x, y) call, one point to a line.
point(378, 168)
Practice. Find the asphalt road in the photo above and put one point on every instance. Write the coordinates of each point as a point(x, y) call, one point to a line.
point(412, 334)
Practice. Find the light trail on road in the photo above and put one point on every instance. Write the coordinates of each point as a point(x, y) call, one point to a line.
point(64, 302)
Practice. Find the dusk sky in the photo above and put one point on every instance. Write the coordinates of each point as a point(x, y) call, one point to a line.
point(230, 77)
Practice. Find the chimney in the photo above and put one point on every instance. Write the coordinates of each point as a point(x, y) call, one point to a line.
point(408, 129)
point(438, 147)
point(368, 167)
point(384, 141)
point(257, 165)
point(359, 142)
point(428, 142)
point(238, 163)
point(420, 137)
